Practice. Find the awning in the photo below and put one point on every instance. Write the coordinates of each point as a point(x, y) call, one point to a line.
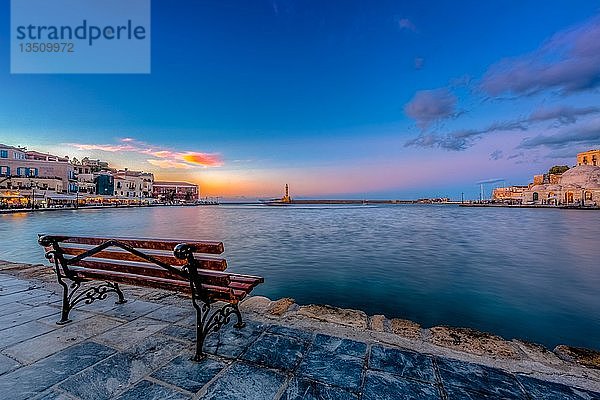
point(60, 197)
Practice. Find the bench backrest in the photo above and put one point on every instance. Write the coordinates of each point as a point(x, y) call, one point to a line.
point(138, 256)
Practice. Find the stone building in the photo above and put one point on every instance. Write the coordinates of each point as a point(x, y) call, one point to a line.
point(510, 194)
point(175, 191)
point(22, 168)
point(590, 157)
point(133, 184)
point(579, 185)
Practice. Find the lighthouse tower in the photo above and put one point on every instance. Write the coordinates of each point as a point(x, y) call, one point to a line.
point(286, 198)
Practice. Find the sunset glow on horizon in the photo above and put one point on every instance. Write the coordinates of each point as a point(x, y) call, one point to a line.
point(385, 100)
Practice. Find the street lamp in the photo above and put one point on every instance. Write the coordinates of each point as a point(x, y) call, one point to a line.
point(33, 185)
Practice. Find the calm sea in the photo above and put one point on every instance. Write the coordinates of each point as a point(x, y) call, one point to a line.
point(524, 273)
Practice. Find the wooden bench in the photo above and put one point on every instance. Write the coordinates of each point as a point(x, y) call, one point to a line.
point(177, 265)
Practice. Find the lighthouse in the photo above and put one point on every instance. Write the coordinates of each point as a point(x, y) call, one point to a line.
point(286, 198)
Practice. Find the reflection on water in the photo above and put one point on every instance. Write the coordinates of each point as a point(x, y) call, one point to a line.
point(532, 274)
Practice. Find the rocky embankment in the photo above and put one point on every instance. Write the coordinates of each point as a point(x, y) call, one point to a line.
point(565, 364)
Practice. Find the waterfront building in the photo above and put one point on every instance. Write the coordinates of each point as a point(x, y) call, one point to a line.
point(105, 184)
point(86, 183)
point(133, 184)
point(590, 157)
point(175, 191)
point(87, 166)
point(546, 179)
point(31, 178)
point(510, 194)
point(579, 185)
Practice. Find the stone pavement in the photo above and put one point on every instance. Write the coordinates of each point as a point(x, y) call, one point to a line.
point(142, 350)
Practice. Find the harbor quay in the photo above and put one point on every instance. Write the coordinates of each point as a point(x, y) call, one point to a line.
point(142, 349)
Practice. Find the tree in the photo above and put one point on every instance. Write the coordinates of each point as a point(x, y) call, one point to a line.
point(558, 169)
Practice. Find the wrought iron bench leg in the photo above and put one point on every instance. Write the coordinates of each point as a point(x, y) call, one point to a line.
point(64, 313)
point(239, 324)
point(88, 296)
point(122, 299)
point(207, 322)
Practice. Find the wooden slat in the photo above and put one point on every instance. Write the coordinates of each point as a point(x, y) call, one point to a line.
point(246, 287)
point(150, 270)
point(208, 247)
point(216, 264)
point(253, 280)
point(145, 269)
point(215, 292)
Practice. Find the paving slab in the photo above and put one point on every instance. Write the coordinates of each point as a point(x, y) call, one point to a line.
point(62, 337)
point(13, 308)
point(152, 391)
point(171, 313)
point(334, 361)
point(7, 364)
point(116, 374)
point(6, 277)
point(54, 395)
point(20, 333)
point(336, 345)
point(276, 351)
point(14, 286)
point(245, 382)
point(51, 298)
point(231, 342)
point(126, 335)
point(76, 316)
point(302, 389)
point(180, 332)
point(129, 311)
point(543, 390)
point(299, 334)
point(189, 375)
point(24, 316)
point(384, 386)
point(461, 393)
point(478, 378)
point(22, 296)
point(407, 364)
point(340, 370)
point(28, 381)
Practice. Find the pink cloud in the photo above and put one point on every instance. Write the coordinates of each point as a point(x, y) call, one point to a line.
point(428, 106)
point(569, 61)
point(163, 158)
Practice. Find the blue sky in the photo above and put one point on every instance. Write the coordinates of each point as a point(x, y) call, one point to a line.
point(353, 98)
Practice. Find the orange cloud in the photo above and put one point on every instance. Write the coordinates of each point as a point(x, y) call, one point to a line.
point(163, 158)
point(205, 159)
point(169, 164)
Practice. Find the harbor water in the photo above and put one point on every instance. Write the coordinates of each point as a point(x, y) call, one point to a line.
point(532, 274)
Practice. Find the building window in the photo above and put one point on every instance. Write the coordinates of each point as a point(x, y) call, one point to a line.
point(3, 153)
point(5, 171)
point(535, 196)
